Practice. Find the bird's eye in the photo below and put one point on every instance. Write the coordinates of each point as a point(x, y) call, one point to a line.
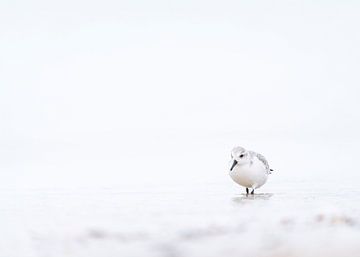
point(241, 155)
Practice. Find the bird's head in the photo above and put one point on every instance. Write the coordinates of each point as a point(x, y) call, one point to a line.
point(239, 156)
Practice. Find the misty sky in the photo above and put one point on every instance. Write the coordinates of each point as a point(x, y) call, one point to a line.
point(74, 72)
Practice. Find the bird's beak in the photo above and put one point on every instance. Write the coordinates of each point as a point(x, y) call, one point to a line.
point(233, 165)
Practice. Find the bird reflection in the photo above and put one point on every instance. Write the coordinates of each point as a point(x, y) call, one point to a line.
point(242, 198)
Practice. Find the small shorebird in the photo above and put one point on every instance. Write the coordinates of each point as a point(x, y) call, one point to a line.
point(249, 169)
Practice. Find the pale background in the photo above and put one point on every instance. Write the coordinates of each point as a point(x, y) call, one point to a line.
point(147, 95)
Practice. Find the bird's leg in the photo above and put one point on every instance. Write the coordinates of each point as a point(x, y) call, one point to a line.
point(247, 191)
point(252, 192)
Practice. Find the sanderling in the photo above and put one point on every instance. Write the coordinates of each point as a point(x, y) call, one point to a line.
point(249, 169)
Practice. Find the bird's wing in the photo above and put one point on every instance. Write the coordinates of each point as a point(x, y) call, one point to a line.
point(263, 160)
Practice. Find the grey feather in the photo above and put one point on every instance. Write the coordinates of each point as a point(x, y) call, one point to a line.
point(262, 159)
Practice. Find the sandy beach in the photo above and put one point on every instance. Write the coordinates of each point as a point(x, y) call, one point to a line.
point(305, 213)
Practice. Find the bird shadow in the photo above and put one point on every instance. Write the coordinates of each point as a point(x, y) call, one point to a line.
point(243, 198)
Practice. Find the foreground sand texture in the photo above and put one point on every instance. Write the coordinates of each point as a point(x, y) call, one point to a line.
point(293, 220)
point(111, 207)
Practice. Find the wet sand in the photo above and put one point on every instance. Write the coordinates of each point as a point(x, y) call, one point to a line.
point(202, 220)
point(309, 207)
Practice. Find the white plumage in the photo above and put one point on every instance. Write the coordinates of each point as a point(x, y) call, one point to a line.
point(249, 169)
